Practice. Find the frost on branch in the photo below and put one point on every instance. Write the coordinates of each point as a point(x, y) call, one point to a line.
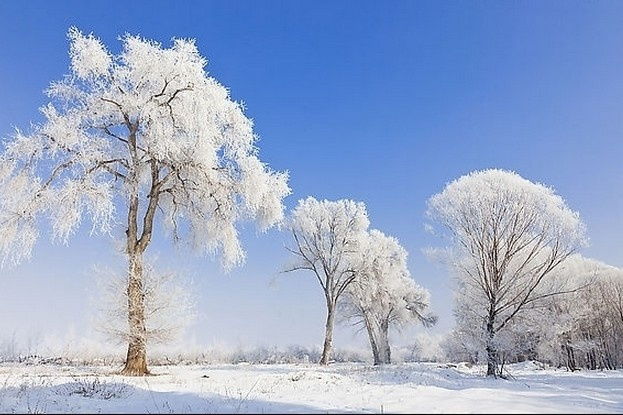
point(89, 57)
point(327, 242)
point(509, 236)
point(383, 294)
point(145, 133)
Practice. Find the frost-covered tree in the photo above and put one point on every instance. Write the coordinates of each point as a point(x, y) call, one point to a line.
point(127, 139)
point(327, 237)
point(507, 236)
point(384, 295)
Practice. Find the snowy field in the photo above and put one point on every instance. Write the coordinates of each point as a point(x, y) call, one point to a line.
point(307, 388)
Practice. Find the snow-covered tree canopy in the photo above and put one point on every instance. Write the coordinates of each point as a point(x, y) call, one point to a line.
point(149, 128)
point(505, 202)
point(505, 227)
point(328, 236)
point(384, 287)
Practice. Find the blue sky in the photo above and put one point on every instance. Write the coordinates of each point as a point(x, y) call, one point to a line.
point(379, 102)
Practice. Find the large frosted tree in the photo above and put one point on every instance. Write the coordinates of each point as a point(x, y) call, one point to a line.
point(384, 295)
point(130, 138)
point(507, 237)
point(327, 240)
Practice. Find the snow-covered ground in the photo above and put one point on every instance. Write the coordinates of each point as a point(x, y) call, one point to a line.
point(307, 388)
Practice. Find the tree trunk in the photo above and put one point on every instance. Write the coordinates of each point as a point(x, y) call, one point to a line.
point(136, 360)
point(328, 336)
point(383, 343)
point(492, 355)
point(372, 336)
point(569, 356)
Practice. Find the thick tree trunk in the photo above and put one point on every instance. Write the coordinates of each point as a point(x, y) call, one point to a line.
point(136, 360)
point(328, 336)
point(383, 344)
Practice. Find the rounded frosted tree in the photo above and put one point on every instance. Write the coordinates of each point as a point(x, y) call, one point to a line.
point(131, 138)
point(507, 237)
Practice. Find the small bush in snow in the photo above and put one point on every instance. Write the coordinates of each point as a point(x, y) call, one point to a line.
point(94, 388)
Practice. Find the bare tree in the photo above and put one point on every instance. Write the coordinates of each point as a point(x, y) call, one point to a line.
point(168, 298)
point(142, 134)
point(384, 295)
point(508, 235)
point(327, 235)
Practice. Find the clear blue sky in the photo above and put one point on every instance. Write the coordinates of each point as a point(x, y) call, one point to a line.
point(380, 102)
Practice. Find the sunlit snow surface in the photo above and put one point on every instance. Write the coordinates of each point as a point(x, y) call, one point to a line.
point(308, 388)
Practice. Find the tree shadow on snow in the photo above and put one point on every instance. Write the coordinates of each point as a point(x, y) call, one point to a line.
point(95, 396)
